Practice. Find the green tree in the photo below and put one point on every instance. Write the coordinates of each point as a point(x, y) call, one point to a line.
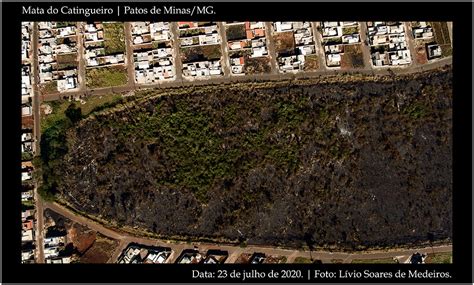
point(73, 113)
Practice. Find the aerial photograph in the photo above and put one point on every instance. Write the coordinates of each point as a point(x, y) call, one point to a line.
point(236, 142)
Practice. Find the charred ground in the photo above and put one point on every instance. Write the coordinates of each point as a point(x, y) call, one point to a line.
point(350, 163)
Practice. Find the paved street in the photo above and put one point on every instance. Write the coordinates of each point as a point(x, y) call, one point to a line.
point(225, 50)
point(319, 46)
point(82, 64)
point(233, 251)
point(365, 44)
point(271, 48)
point(250, 78)
point(37, 134)
point(129, 56)
point(411, 43)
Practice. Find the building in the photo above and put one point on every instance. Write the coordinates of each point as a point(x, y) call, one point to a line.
point(190, 256)
point(434, 51)
point(57, 55)
point(54, 241)
point(27, 255)
point(157, 256)
point(422, 30)
point(153, 52)
point(27, 235)
point(197, 35)
point(257, 258)
point(51, 252)
point(215, 257)
point(27, 225)
point(26, 214)
point(251, 44)
point(136, 254)
point(334, 35)
point(417, 258)
point(294, 60)
point(202, 69)
point(388, 44)
point(58, 260)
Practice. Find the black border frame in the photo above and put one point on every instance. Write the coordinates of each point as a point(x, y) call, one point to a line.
point(459, 13)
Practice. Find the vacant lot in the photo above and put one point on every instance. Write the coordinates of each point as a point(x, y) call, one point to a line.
point(421, 57)
point(100, 251)
point(284, 43)
point(82, 244)
point(200, 53)
point(311, 62)
point(352, 57)
point(67, 61)
point(191, 32)
point(445, 257)
point(350, 30)
point(341, 164)
point(441, 32)
point(87, 105)
point(257, 65)
point(236, 32)
point(106, 76)
point(49, 87)
point(114, 38)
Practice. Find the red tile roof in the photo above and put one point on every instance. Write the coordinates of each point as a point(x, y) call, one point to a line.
point(28, 225)
point(259, 32)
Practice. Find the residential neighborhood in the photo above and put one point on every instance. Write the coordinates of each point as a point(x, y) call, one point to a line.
point(74, 56)
point(72, 60)
point(57, 56)
point(199, 44)
point(294, 45)
point(247, 47)
point(342, 44)
point(152, 52)
point(388, 42)
point(136, 253)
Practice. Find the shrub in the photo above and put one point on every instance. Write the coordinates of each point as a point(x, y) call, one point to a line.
point(236, 32)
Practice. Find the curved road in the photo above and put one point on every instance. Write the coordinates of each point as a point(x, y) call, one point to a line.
point(234, 251)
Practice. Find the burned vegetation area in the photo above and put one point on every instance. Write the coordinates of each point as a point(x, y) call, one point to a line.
point(347, 163)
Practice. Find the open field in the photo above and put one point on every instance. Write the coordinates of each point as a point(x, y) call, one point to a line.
point(66, 61)
point(191, 146)
point(284, 43)
point(88, 106)
point(352, 57)
point(439, 257)
point(257, 65)
point(201, 53)
point(114, 38)
point(49, 87)
point(311, 62)
point(106, 76)
point(236, 32)
point(421, 56)
point(441, 33)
